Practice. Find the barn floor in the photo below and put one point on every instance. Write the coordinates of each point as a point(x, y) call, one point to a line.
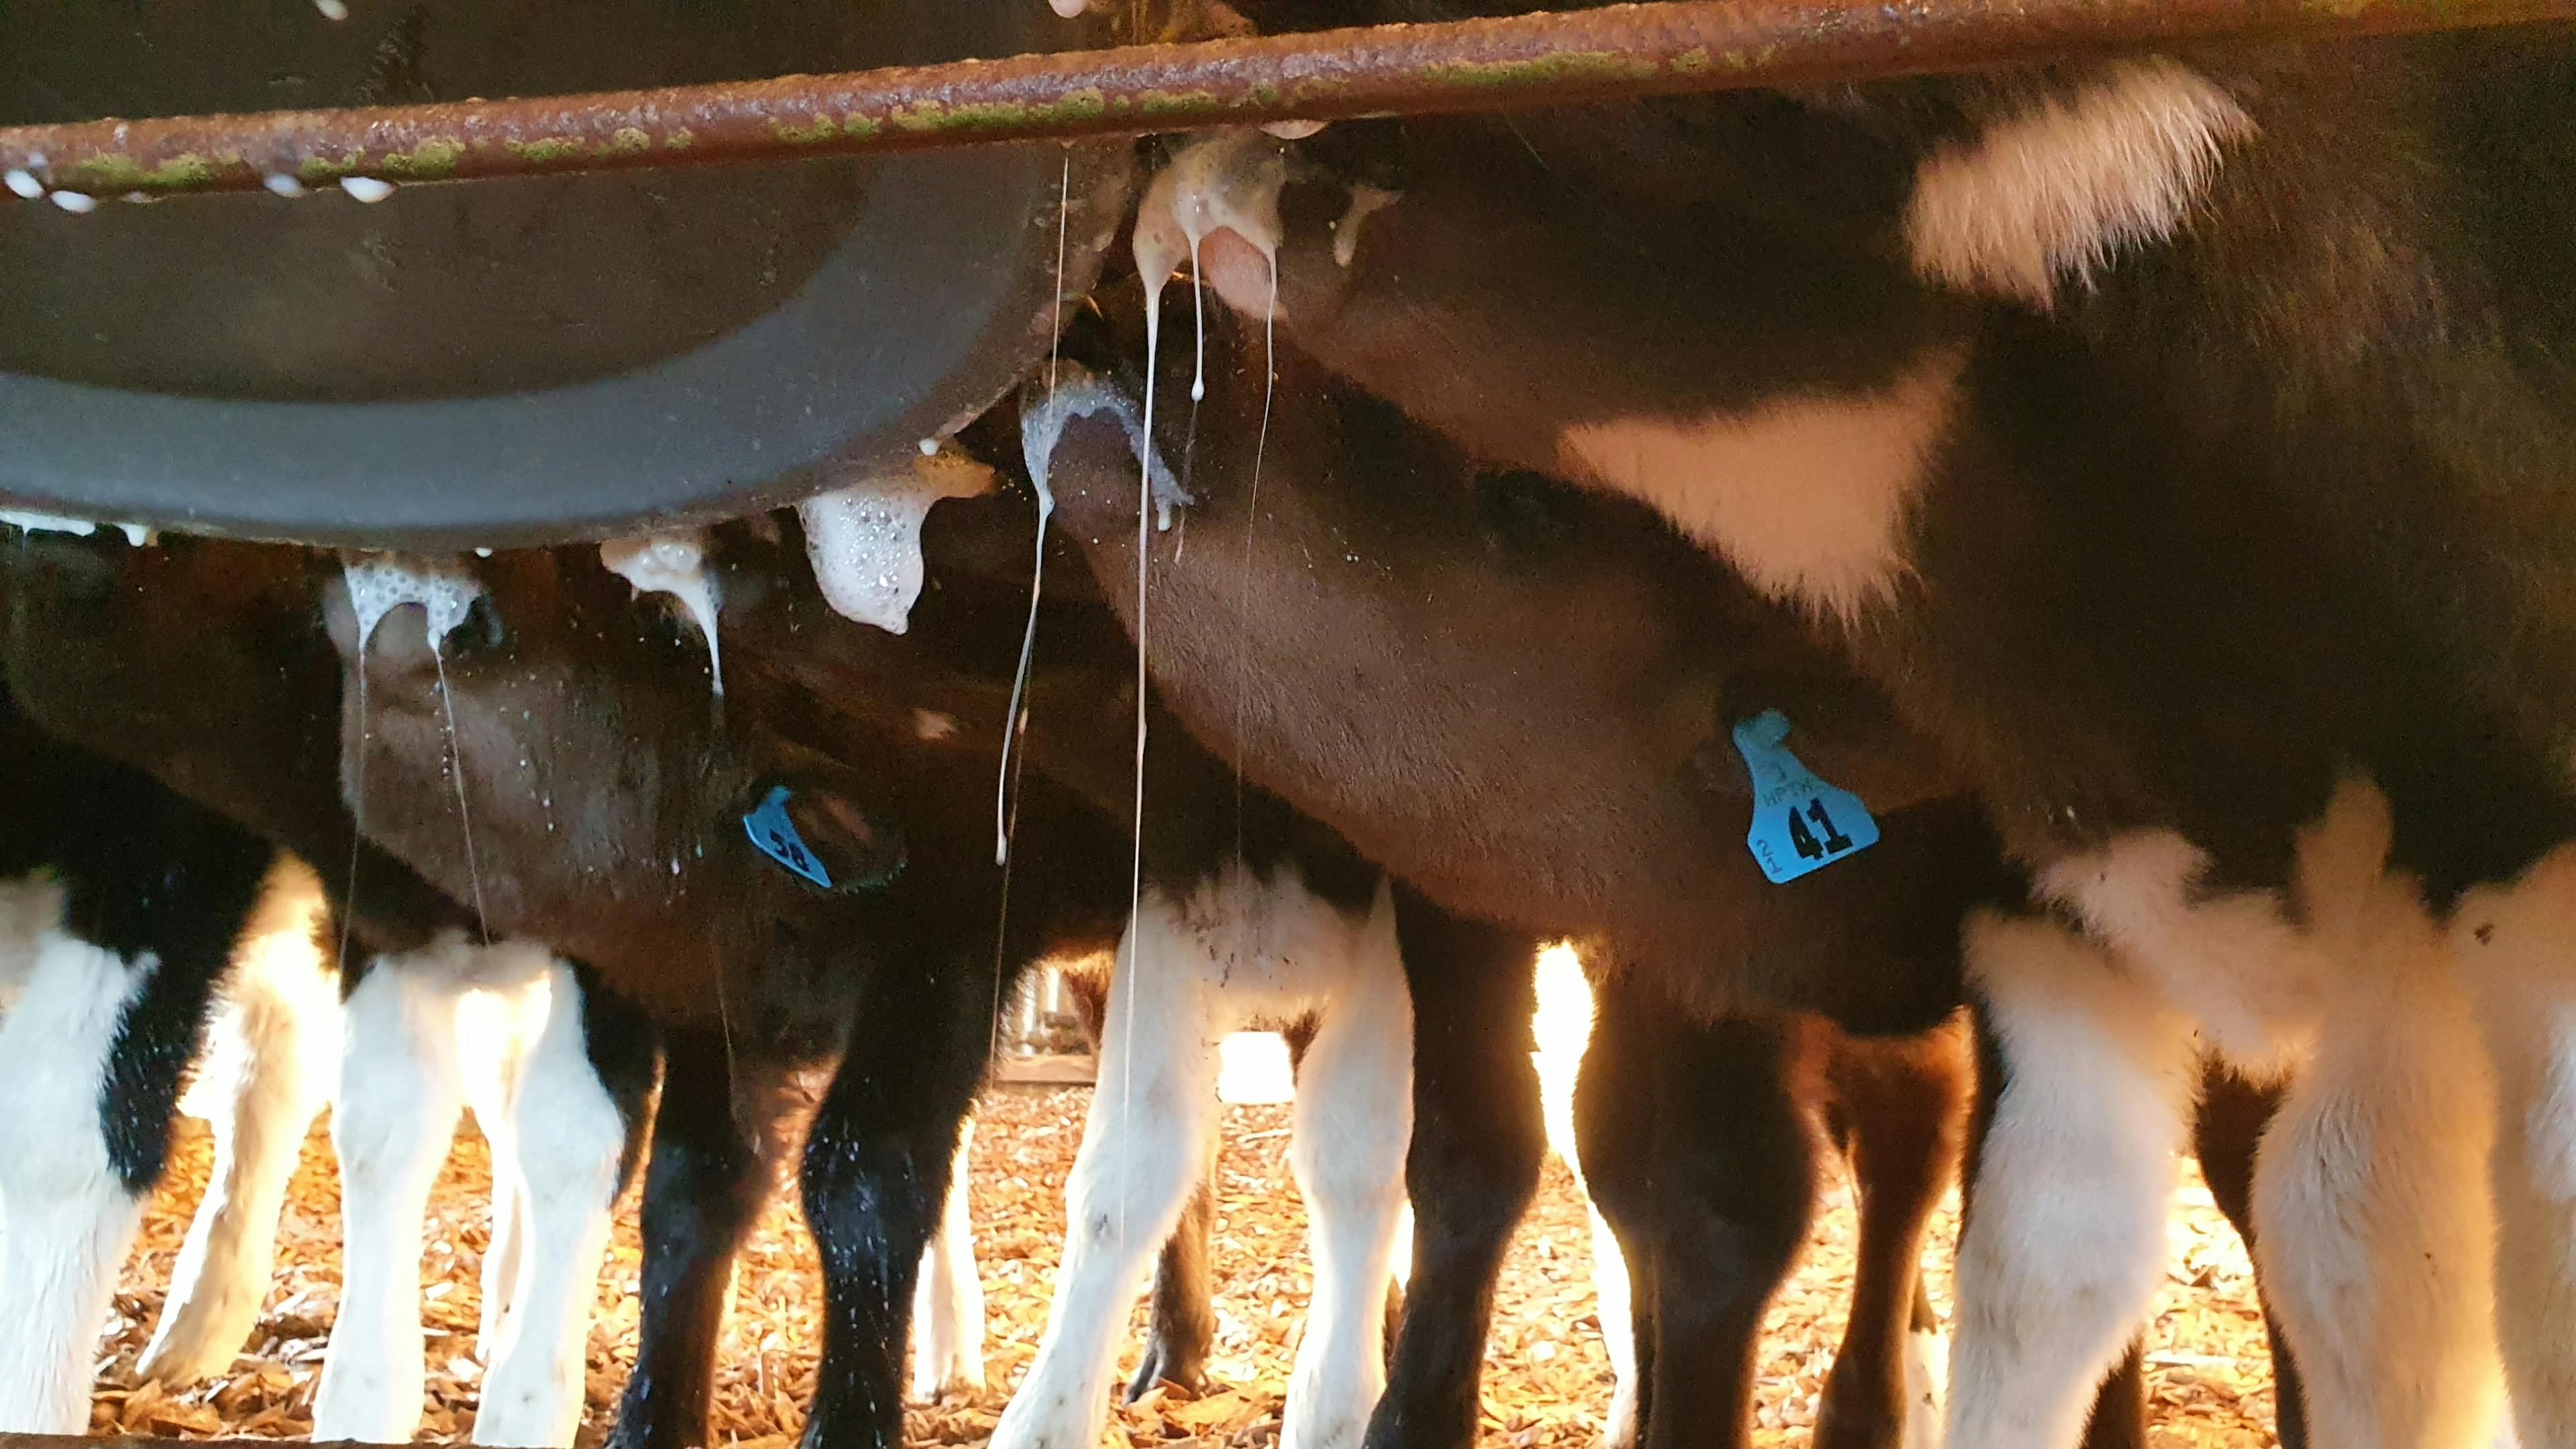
point(1548, 1385)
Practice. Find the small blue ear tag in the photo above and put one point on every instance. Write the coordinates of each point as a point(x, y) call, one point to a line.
point(1800, 823)
point(774, 835)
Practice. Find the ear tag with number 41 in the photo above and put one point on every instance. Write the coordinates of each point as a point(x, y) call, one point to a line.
point(774, 835)
point(1800, 823)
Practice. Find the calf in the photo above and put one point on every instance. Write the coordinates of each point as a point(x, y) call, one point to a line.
point(109, 646)
point(2170, 439)
point(1558, 682)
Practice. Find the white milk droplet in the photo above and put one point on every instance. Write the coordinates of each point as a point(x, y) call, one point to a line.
point(929, 447)
point(78, 203)
point(23, 184)
point(332, 9)
point(380, 583)
point(674, 564)
point(283, 184)
point(1291, 130)
point(367, 189)
point(136, 535)
point(1069, 9)
point(864, 540)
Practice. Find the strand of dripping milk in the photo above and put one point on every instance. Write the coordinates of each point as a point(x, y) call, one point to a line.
point(1003, 818)
point(1154, 280)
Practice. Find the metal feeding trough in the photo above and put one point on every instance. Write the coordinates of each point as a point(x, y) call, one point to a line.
point(524, 360)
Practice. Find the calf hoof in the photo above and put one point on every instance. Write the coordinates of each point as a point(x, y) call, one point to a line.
point(1165, 1364)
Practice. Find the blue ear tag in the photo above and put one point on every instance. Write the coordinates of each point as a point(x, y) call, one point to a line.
point(774, 835)
point(1800, 823)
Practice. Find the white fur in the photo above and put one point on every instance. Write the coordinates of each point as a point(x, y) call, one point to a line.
point(69, 1220)
point(2057, 190)
point(948, 1297)
point(1237, 949)
point(570, 1141)
point(424, 1033)
point(2252, 981)
point(496, 1033)
point(268, 1068)
point(2375, 1167)
point(1809, 497)
point(1353, 1120)
point(1926, 1353)
point(2368, 1186)
point(2059, 1262)
point(401, 1088)
point(2514, 945)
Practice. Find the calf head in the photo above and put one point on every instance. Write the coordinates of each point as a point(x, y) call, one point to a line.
point(549, 760)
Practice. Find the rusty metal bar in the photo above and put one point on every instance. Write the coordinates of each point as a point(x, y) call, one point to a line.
point(1472, 65)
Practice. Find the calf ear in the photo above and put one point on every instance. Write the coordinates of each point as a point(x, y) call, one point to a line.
point(824, 836)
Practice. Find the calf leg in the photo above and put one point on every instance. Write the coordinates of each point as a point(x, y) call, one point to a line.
point(1905, 1101)
point(1180, 1328)
point(497, 1033)
point(948, 1303)
point(1613, 1110)
point(264, 1081)
point(572, 1137)
point(1144, 1149)
point(704, 1183)
point(2233, 1115)
point(2064, 1244)
point(401, 1091)
point(1479, 1139)
point(876, 1174)
point(2514, 948)
point(1352, 1120)
point(1732, 1194)
point(90, 1057)
point(2376, 1243)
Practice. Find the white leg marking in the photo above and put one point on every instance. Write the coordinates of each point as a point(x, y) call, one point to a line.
point(70, 1220)
point(570, 1140)
point(1144, 1149)
point(267, 1071)
point(2059, 1263)
point(400, 1093)
point(2517, 951)
point(497, 1031)
point(2056, 191)
point(948, 1298)
point(1926, 1351)
point(1353, 1121)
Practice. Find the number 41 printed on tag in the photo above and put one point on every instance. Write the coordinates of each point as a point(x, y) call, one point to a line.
point(1800, 823)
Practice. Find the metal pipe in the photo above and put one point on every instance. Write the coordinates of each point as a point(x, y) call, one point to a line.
point(1470, 65)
